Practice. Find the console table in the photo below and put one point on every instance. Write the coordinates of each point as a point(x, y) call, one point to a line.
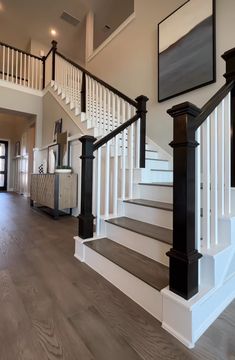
point(55, 191)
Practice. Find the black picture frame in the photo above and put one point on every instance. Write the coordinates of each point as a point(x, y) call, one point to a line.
point(169, 79)
point(56, 150)
point(57, 129)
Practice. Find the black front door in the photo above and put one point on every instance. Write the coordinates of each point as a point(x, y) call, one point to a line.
point(3, 165)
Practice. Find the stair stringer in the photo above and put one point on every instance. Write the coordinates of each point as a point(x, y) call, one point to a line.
point(188, 320)
point(77, 119)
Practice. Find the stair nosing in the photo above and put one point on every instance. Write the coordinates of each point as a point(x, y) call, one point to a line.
point(158, 288)
point(157, 184)
point(163, 170)
point(148, 205)
point(109, 221)
point(156, 159)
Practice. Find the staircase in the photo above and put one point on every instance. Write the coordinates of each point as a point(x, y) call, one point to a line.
point(169, 248)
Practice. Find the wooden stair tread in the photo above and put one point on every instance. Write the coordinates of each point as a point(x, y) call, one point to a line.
point(156, 159)
point(166, 184)
point(151, 203)
point(143, 228)
point(162, 170)
point(144, 268)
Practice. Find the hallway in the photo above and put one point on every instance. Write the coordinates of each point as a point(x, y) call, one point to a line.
point(54, 307)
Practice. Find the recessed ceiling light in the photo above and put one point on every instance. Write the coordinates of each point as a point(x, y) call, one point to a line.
point(53, 32)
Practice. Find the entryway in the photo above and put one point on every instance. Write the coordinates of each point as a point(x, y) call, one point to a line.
point(3, 165)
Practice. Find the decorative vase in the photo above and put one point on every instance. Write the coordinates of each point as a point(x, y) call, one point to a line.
point(51, 162)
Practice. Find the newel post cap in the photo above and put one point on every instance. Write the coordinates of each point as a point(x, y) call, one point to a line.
point(54, 44)
point(185, 108)
point(229, 58)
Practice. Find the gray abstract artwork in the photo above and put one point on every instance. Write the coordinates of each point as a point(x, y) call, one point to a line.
point(186, 49)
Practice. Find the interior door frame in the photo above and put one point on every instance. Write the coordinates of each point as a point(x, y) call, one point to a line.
point(7, 141)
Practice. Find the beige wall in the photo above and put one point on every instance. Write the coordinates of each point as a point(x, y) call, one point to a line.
point(23, 102)
point(129, 61)
point(52, 111)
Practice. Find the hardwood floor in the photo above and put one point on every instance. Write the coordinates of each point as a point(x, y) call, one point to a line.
point(54, 307)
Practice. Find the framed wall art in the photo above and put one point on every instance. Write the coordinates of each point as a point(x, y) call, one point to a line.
point(186, 49)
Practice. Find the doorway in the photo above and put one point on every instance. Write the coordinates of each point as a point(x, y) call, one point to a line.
point(3, 164)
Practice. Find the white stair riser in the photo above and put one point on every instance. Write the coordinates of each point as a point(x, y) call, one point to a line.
point(157, 164)
point(149, 215)
point(156, 176)
point(155, 193)
point(152, 155)
point(144, 245)
point(147, 297)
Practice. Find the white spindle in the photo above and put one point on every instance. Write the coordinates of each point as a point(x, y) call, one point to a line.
point(29, 69)
point(108, 117)
point(12, 65)
point(3, 62)
point(17, 65)
point(137, 144)
point(33, 63)
point(105, 109)
point(115, 180)
point(25, 69)
point(227, 132)
point(130, 153)
point(206, 183)
point(214, 178)
point(107, 177)
point(221, 145)
point(98, 192)
point(8, 62)
point(198, 191)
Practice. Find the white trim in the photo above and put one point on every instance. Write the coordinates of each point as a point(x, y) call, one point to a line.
point(112, 36)
point(21, 88)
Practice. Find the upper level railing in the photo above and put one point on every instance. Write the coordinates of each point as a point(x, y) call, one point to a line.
point(203, 176)
point(20, 67)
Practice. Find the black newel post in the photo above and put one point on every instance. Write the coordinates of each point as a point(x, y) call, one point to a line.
point(54, 49)
point(229, 58)
point(183, 255)
point(43, 71)
point(142, 111)
point(83, 93)
point(86, 218)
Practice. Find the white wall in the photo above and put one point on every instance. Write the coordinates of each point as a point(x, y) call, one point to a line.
point(129, 61)
point(52, 111)
point(23, 102)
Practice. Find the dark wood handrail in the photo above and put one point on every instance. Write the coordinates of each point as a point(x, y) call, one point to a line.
point(211, 105)
point(109, 87)
point(21, 51)
point(115, 132)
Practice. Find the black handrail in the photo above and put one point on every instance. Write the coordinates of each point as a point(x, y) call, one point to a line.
point(211, 105)
point(115, 132)
point(109, 87)
point(21, 51)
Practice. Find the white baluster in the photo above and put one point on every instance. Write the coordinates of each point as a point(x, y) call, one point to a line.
point(114, 125)
point(198, 192)
point(206, 183)
point(130, 153)
point(105, 110)
point(12, 65)
point(214, 178)
point(8, 63)
point(107, 175)
point(21, 71)
point(221, 145)
point(36, 73)
point(33, 62)
point(3, 62)
point(17, 64)
point(115, 180)
point(137, 144)
point(98, 196)
point(108, 117)
point(29, 69)
point(227, 132)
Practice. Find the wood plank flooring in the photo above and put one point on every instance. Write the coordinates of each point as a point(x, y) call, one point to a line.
point(54, 307)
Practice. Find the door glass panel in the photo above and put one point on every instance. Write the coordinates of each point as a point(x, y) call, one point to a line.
point(1, 180)
point(2, 150)
point(2, 164)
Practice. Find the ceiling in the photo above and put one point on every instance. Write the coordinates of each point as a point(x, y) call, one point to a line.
point(21, 21)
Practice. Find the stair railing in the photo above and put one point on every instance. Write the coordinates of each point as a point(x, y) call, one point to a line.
point(116, 155)
point(20, 68)
point(203, 174)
